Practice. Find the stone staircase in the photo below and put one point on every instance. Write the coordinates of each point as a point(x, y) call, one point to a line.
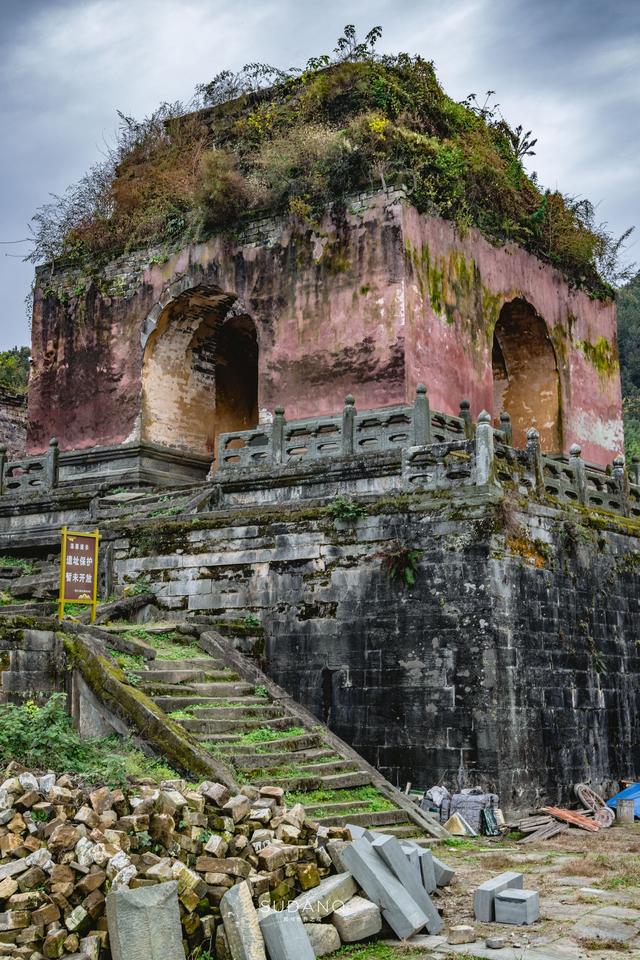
point(266, 739)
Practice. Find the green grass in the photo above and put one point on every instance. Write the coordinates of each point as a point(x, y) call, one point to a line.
point(291, 771)
point(460, 843)
point(382, 951)
point(128, 661)
point(169, 646)
point(26, 566)
point(315, 798)
point(265, 734)
point(44, 738)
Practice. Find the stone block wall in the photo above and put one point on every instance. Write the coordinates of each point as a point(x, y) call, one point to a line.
point(514, 655)
point(13, 423)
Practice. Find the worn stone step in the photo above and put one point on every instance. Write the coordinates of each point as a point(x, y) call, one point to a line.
point(170, 677)
point(304, 741)
point(202, 678)
point(258, 761)
point(240, 724)
point(239, 712)
point(198, 691)
point(359, 778)
point(194, 663)
point(179, 700)
point(289, 783)
point(335, 809)
point(371, 819)
point(330, 767)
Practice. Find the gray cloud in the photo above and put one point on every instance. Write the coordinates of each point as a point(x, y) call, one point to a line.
point(567, 69)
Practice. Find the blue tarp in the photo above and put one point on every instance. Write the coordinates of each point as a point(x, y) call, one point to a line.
point(629, 793)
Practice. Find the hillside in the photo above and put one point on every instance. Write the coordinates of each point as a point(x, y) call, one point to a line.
point(295, 141)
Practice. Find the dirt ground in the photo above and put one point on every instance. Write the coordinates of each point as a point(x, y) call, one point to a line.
point(589, 886)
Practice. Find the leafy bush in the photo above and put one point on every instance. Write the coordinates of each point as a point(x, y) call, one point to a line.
point(343, 508)
point(297, 140)
point(44, 738)
point(14, 369)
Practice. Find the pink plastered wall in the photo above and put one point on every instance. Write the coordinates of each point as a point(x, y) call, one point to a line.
point(344, 309)
point(452, 353)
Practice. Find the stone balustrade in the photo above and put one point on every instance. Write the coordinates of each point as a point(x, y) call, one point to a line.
point(30, 474)
point(439, 451)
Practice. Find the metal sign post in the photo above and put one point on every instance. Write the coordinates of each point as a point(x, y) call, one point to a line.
point(79, 570)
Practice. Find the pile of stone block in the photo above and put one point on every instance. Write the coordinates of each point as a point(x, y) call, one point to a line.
point(164, 869)
point(503, 900)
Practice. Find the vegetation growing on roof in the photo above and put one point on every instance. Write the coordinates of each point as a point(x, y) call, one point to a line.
point(294, 141)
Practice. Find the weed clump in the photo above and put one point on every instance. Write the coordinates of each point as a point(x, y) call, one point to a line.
point(44, 738)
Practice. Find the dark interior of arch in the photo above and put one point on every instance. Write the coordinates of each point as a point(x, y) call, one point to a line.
point(526, 382)
point(200, 376)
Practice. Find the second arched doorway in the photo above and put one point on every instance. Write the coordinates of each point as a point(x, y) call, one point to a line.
point(526, 381)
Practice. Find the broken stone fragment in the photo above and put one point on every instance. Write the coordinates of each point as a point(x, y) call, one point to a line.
point(241, 925)
point(461, 934)
point(216, 846)
point(285, 936)
point(331, 893)
point(145, 923)
point(324, 938)
point(237, 807)
point(357, 920)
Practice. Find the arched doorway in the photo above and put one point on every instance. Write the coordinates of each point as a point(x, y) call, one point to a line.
point(200, 372)
point(526, 382)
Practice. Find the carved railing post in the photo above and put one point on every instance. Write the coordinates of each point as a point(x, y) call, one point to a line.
point(3, 463)
point(485, 472)
point(578, 465)
point(534, 455)
point(465, 416)
point(421, 417)
point(277, 435)
point(507, 428)
point(622, 482)
point(348, 426)
point(634, 471)
point(52, 464)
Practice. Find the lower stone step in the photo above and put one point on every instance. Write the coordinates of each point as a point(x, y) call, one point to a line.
point(335, 809)
point(241, 724)
point(179, 700)
point(229, 744)
point(214, 688)
point(371, 819)
point(239, 711)
point(331, 767)
point(258, 761)
point(359, 778)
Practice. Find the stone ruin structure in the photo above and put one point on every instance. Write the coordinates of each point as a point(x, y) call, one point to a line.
point(173, 354)
point(13, 423)
point(193, 407)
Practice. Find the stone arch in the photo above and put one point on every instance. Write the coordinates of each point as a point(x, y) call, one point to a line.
point(200, 369)
point(526, 381)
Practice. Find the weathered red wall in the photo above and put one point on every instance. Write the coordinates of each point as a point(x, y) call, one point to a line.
point(358, 307)
point(455, 289)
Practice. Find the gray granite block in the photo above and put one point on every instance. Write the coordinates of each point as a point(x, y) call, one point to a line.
point(285, 936)
point(389, 849)
point(484, 896)
point(517, 906)
point(443, 874)
point(383, 888)
point(145, 923)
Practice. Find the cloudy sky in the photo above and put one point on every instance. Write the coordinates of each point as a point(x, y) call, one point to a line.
point(567, 69)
